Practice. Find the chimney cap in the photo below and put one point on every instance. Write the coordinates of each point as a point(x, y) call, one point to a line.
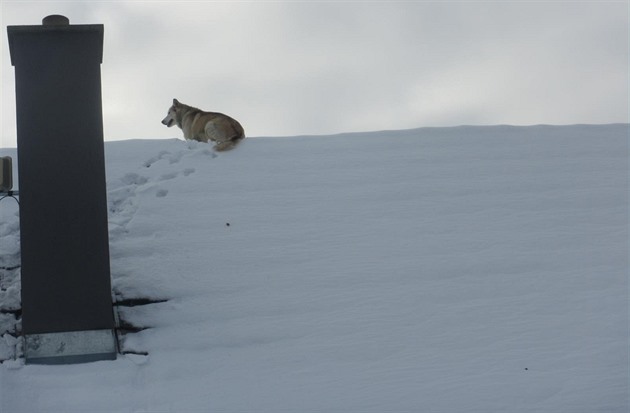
point(55, 20)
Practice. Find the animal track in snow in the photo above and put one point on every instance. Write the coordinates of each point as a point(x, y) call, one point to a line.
point(134, 179)
point(173, 175)
point(172, 158)
point(122, 194)
point(121, 208)
point(169, 176)
point(192, 148)
point(156, 158)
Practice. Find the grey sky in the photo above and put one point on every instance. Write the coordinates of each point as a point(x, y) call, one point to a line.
point(289, 68)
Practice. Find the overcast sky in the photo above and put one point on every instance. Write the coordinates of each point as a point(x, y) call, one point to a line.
point(291, 68)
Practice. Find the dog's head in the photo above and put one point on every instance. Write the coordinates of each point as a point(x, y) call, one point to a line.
point(171, 116)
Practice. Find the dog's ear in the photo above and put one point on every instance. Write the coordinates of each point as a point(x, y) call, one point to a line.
point(175, 102)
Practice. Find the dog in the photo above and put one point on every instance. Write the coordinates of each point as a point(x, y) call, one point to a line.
point(205, 126)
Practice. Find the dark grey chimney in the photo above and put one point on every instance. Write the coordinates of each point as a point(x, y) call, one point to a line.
point(67, 312)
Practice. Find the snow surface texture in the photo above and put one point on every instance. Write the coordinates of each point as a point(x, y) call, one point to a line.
point(467, 269)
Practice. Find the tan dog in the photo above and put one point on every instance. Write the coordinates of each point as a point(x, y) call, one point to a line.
point(204, 126)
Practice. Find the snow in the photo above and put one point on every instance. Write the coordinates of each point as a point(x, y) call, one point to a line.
point(465, 269)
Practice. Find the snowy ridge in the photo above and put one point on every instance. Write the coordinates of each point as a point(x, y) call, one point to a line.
point(436, 269)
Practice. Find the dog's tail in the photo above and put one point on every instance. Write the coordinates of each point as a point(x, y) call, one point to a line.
point(229, 144)
point(239, 135)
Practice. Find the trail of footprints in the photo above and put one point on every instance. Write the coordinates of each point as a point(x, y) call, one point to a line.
point(123, 205)
point(122, 193)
